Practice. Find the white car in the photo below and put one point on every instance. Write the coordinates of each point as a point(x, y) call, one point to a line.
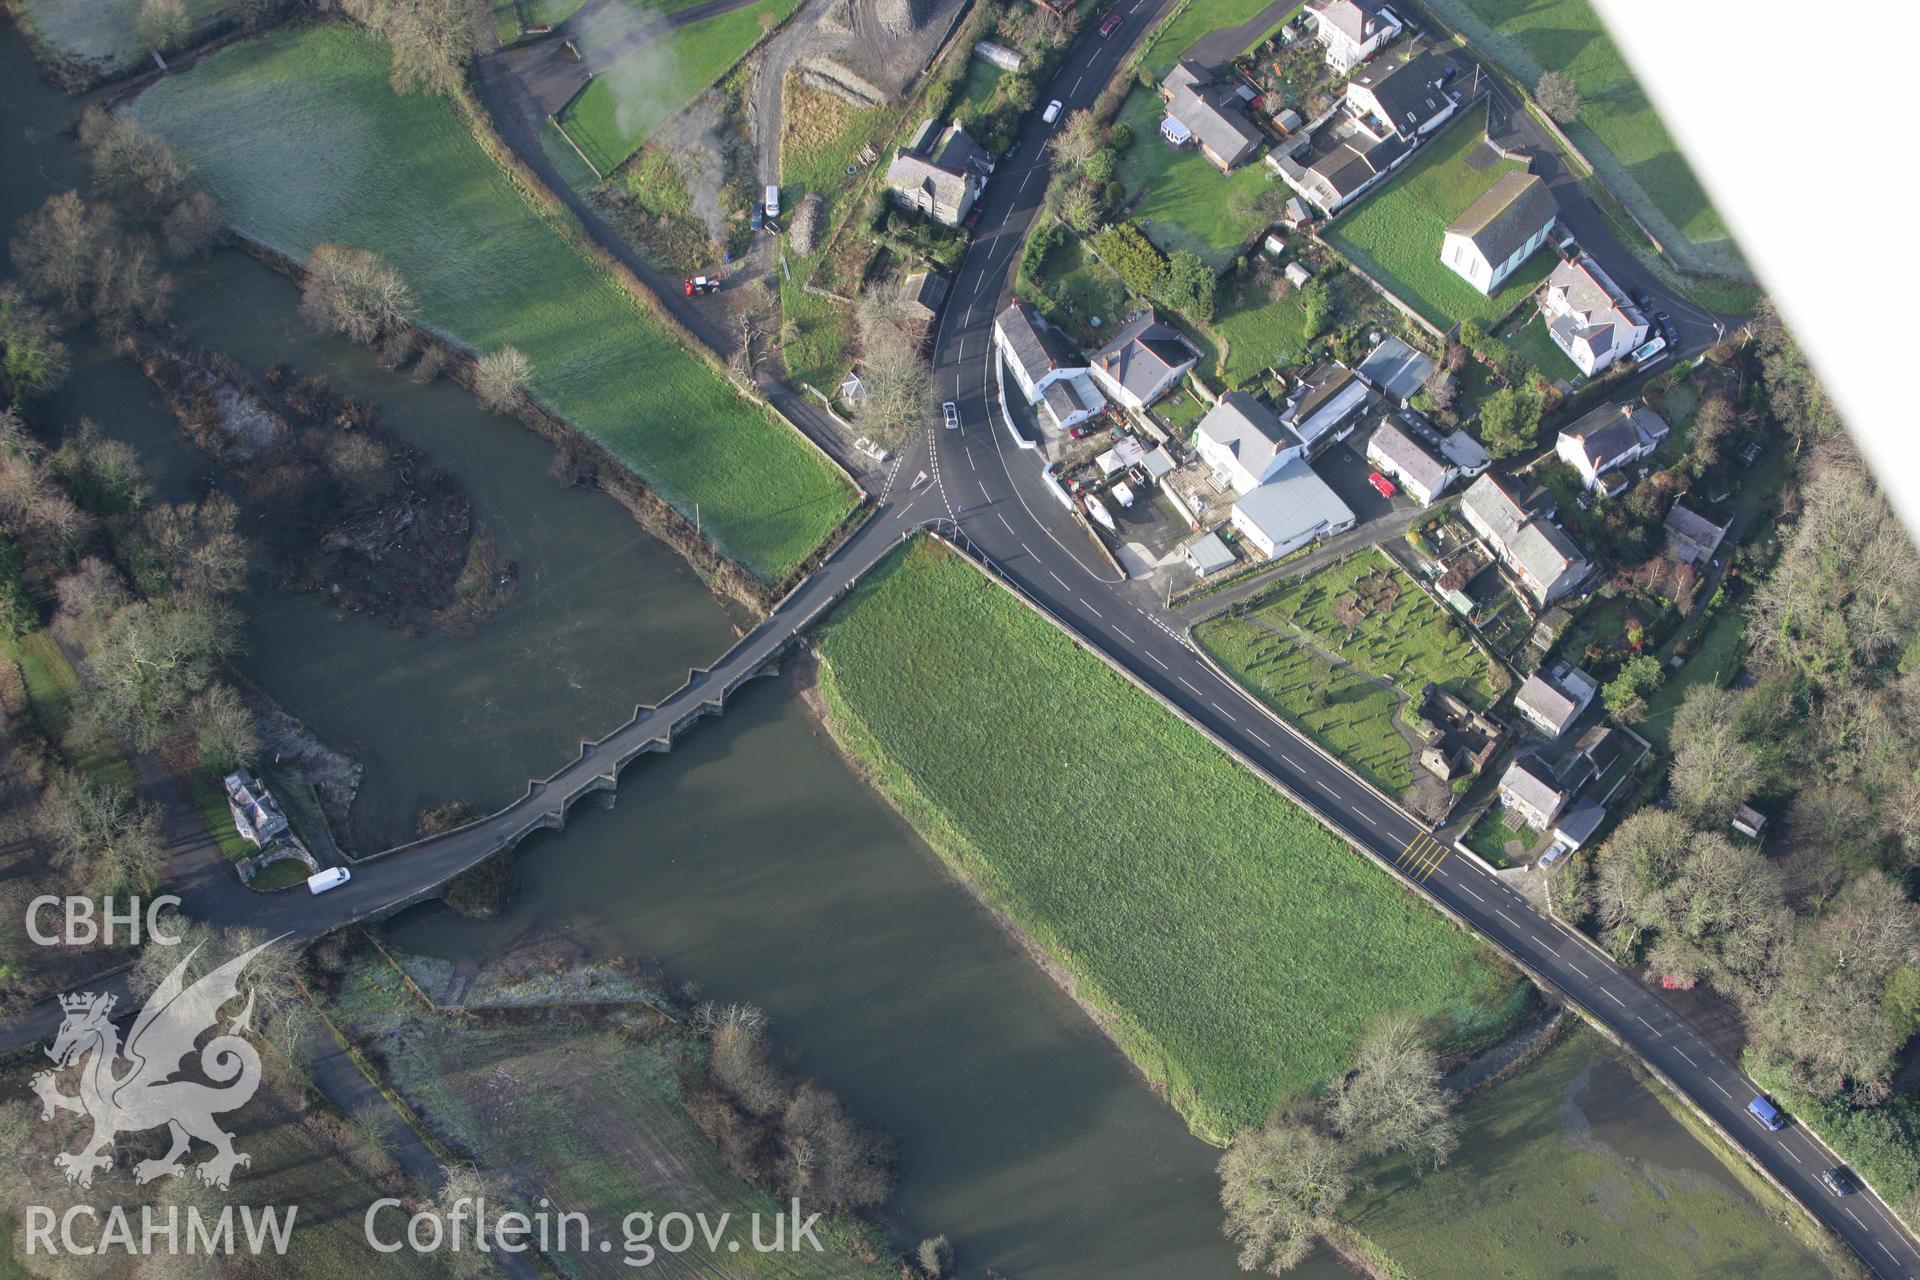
point(952, 412)
point(331, 878)
point(1052, 112)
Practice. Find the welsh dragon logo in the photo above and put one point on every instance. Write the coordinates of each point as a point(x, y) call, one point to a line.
point(146, 1094)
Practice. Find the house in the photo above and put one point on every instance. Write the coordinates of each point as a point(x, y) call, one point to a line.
point(1207, 554)
point(1577, 825)
point(1050, 374)
point(922, 292)
point(1353, 30)
point(941, 177)
point(1529, 791)
point(1399, 448)
point(1552, 701)
point(1291, 509)
point(1323, 408)
point(1210, 113)
point(1598, 749)
point(1589, 317)
point(256, 815)
point(1396, 368)
point(1404, 95)
point(1499, 231)
point(1142, 361)
point(1691, 537)
point(1338, 162)
point(1244, 442)
point(1466, 454)
point(1525, 539)
point(1609, 438)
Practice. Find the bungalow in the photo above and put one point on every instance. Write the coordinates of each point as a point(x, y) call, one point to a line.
point(1050, 374)
point(1609, 438)
point(1550, 702)
point(1589, 317)
point(1401, 448)
point(1353, 30)
point(1294, 507)
point(1499, 231)
point(1142, 361)
point(1691, 537)
point(1529, 790)
point(1209, 113)
point(1322, 409)
point(1525, 539)
point(1244, 442)
point(942, 177)
point(256, 814)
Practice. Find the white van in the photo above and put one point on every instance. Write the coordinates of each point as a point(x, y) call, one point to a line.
point(773, 202)
point(331, 878)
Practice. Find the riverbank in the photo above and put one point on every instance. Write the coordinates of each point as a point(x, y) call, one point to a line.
point(1230, 944)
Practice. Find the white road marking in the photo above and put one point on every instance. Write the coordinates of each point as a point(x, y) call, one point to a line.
point(1577, 969)
point(1223, 711)
point(971, 466)
point(1004, 524)
point(1156, 658)
point(1029, 550)
point(1722, 1088)
point(1024, 181)
point(1190, 684)
point(1359, 813)
point(1471, 894)
point(1090, 609)
point(1616, 999)
point(1690, 1061)
point(1648, 1025)
point(1257, 738)
point(1504, 916)
point(1790, 1151)
point(1854, 1216)
point(1056, 577)
point(1124, 635)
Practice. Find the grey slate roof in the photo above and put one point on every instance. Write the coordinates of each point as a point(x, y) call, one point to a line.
point(1490, 502)
point(1037, 347)
point(1600, 744)
point(1595, 305)
point(1547, 700)
point(1064, 399)
point(1693, 532)
point(1330, 394)
point(1607, 434)
point(1528, 779)
point(1143, 353)
point(1507, 216)
point(1406, 89)
point(924, 290)
point(1248, 430)
point(1215, 119)
point(914, 173)
point(1545, 552)
point(956, 152)
point(1408, 456)
point(1351, 19)
point(1578, 823)
point(1396, 368)
point(1294, 501)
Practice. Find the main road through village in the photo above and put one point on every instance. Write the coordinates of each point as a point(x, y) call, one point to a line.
point(978, 487)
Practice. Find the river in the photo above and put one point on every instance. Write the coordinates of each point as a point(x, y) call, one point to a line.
point(750, 860)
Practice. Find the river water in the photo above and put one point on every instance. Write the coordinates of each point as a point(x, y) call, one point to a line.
point(750, 860)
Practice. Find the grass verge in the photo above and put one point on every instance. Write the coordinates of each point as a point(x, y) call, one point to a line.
point(331, 153)
point(1232, 946)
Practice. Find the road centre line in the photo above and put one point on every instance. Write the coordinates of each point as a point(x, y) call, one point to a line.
point(1124, 636)
point(1683, 1053)
point(1616, 999)
point(1722, 1088)
point(1089, 608)
point(1057, 578)
point(1003, 521)
point(1223, 711)
point(1029, 550)
point(1648, 1025)
point(1156, 658)
point(1471, 894)
point(1504, 916)
point(971, 466)
point(1191, 685)
point(1361, 814)
point(1257, 738)
point(1854, 1216)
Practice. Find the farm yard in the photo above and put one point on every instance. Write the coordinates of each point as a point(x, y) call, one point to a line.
point(1180, 200)
point(1231, 945)
point(1328, 652)
point(1575, 1167)
point(1395, 233)
point(332, 154)
point(1618, 128)
point(622, 105)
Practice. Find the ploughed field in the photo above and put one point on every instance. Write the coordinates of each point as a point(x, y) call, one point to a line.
point(301, 140)
point(1232, 945)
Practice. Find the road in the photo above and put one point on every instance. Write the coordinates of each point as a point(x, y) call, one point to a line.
point(994, 492)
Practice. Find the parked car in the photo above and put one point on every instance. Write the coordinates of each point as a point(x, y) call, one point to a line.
point(1382, 485)
point(697, 285)
point(1767, 1114)
point(759, 217)
point(1640, 299)
point(1081, 430)
point(1839, 1181)
point(1112, 24)
point(773, 201)
point(1667, 329)
point(1052, 112)
point(952, 412)
point(331, 878)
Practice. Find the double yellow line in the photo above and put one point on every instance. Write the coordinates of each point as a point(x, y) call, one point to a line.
point(1422, 854)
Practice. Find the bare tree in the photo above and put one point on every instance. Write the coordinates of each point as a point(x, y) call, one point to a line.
point(162, 24)
point(55, 248)
point(33, 360)
point(1392, 1100)
point(898, 378)
point(1076, 141)
point(132, 164)
point(225, 735)
point(1714, 767)
point(430, 40)
point(193, 227)
point(1558, 96)
point(1279, 1186)
point(110, 841)
point(500, 378)
point(354, 292)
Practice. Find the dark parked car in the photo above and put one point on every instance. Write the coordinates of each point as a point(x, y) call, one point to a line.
point(759, 218)
point(1668, 329)
point(1839, 1181)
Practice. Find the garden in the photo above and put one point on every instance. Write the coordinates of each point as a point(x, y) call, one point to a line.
point(1232, 945)
point(1183, 202)
point(1395, 234)
point(332, 154)
point(1261, 321)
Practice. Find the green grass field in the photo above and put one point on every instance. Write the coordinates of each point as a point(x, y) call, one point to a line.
point(1186, 203)
point(1229, 942)
point(329, 152)
point(1395, 233)
point(1407, 643)
point(625, 103)
point(1575, 1169)
point(1618, 128)
point(105, 33)
point(1260, 330)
